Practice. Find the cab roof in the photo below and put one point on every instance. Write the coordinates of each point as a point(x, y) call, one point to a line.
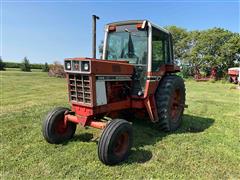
point(119, 23)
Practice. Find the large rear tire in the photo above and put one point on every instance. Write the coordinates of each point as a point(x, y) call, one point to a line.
point(170, 100)
point(53, 128)
point(115, 142)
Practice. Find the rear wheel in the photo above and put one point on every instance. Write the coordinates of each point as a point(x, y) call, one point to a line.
point(115, 142)
point(170, 100)
point(53, 128)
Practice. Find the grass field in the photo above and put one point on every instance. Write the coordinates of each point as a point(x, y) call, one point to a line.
point(205, 147)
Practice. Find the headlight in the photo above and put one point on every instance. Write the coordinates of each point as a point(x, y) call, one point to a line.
point(68, 65)
point(85, 66)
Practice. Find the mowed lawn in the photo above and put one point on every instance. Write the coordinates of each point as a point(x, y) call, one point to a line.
point(205, 147)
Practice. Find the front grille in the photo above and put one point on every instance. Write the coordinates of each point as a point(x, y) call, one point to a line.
point(80, 88)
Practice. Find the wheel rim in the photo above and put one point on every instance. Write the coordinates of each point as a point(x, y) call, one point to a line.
point(121, 145)
point(176, 105)
point(60, 127)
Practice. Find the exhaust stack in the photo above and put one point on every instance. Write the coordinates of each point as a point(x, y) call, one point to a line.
point(94, 19)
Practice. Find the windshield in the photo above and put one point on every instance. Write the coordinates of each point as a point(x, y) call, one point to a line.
point(126, 45)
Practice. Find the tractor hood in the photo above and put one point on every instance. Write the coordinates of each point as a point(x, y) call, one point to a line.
point(97, 66)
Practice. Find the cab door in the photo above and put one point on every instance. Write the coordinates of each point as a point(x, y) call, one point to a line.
point(160, 49)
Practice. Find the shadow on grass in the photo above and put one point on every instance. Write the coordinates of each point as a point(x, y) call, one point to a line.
point(145, 133)
point(84, 137)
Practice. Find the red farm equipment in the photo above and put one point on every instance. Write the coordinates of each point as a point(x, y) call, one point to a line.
point(234, 75)
point(199, 77)
point(136, 74)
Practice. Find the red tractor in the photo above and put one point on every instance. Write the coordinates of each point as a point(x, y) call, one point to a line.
point(136, 75)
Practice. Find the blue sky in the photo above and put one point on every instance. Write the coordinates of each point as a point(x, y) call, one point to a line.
point(47, 31)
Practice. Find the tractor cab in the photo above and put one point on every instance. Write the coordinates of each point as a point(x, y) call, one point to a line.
point(140, 43)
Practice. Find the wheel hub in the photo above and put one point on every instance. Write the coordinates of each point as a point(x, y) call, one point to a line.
point(60, 127)
point(121, 145)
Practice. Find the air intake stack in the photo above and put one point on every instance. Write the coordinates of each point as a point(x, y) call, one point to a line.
point(94, 19)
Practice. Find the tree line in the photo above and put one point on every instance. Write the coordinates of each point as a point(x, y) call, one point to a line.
point(202, 51)
point(54, 70)
point(25, 65)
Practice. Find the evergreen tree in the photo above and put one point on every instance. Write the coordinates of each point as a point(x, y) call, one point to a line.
point(45, 67)
point(2, 64)
point(26, 65)
point(100, 49)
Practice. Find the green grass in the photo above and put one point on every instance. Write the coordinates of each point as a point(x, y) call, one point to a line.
point(205, 147)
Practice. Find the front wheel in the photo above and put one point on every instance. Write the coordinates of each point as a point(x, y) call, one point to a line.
point(170, 100)
point(115, 142)
point(53, 128)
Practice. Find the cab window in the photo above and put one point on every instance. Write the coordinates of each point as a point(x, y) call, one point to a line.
point(127, 43)
point(160, 49)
